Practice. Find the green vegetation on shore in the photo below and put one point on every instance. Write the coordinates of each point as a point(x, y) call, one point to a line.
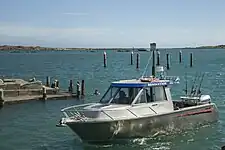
point(37, 48)
point(207, 47)
point(10, 47)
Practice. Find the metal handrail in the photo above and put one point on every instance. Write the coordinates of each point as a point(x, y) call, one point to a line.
point(76, 106)
point(76, 113)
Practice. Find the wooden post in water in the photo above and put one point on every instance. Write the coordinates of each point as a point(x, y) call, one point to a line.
point(57, 83)
point(82, 87)
point(168, 61)
point(44, 93)
point(191, 59)
point(48, 81)
point(131, 57)
point(105, 59)
point(1, 94)
point(78, 89)
point(137, 63)
point(1, 97)
point(180, 56)
point(158, 58)
point(70, 89)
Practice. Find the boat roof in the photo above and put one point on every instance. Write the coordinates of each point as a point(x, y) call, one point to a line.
point(138, 83)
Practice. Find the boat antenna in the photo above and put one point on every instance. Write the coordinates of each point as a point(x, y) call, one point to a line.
point(153, 48)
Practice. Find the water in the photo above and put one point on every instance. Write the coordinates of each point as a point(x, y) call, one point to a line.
point(31, 125)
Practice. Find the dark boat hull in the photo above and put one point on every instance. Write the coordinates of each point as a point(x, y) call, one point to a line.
point(96, 132)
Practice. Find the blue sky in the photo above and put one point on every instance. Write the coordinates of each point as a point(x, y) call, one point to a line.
point(112, 23)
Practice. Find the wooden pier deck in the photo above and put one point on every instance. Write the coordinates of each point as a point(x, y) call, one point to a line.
point(24, 98)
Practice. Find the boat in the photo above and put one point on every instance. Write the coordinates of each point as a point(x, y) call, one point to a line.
point(142, 49)
point(136, 108)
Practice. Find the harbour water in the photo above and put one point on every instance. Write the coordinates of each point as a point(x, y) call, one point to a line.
point(31, 125)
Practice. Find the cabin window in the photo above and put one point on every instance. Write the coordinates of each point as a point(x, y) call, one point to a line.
point(159, 93)
point(123, 96)
point(109, 95)
point(119, 95)
point(141, 98)
point(149, 94)
point(155, 94)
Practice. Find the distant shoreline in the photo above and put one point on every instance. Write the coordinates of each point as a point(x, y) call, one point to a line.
point(39, 48)
point(207, 47)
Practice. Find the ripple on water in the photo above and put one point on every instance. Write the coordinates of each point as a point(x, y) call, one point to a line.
point(32, 125)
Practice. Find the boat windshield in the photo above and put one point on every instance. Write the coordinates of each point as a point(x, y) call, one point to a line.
point(119, 95)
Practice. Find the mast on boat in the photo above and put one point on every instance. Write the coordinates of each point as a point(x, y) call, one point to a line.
point(153, 48)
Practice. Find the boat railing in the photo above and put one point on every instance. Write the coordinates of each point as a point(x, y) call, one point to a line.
point(174, 79)
point(75, 111)
point(78, 113)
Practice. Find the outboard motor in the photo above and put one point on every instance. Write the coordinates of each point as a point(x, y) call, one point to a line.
point(204, 99)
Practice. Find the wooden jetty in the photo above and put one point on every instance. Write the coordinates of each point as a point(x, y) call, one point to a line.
point(24, 98)
point(18, 96)
point(18, 90)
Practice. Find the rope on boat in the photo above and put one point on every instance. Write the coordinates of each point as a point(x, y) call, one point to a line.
point(146, 66)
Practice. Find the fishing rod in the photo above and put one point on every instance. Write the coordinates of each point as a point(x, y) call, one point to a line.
point(193, 85)
point(199, 92)
point(186, 85)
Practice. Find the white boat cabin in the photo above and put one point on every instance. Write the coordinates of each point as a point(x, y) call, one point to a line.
point(128, 99)
point(137, 93)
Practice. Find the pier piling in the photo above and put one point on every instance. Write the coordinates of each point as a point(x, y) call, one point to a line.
point(1, 94)
point(44, 93)
point(131, 57)
point(191, 59)
point(78, 89)
point(82, 87)
point(70, 89)
point(48, 81)
point(137, 63)
point(1, 97)
point(105, 59)
point(53, 85)
point(158, 58)
point(180, 56)
point(168, 61)
point(57, 83)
